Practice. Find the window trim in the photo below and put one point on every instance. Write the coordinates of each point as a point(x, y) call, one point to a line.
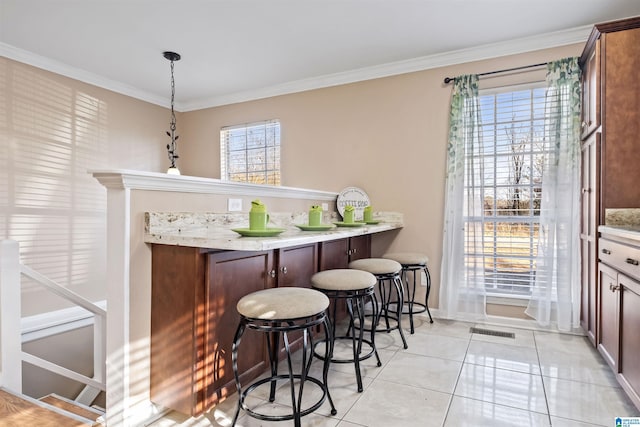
point(246, 172)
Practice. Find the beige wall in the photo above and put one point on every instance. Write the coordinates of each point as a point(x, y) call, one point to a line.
point(52, 130)
point(387, 136)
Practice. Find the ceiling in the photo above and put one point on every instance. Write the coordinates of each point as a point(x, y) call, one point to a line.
point(236, 50)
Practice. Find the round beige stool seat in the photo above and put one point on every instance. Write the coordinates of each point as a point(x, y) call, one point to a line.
point(278, 312)
point(282, 304)
point(343, 279)
point(413, 262)
point(407, 258)
point(355, 288)
point(387, 273)
point(376, 265)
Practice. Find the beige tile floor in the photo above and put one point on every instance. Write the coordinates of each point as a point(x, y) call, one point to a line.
point(450, 377)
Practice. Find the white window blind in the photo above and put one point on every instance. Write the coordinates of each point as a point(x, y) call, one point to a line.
point(511, 159)
point(251, 153)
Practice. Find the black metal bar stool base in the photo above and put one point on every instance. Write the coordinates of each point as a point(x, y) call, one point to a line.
point(353, 298)
point(410, 303)
point(277, 318)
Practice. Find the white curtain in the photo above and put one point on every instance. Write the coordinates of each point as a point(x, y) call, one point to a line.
point(556, 292)
point(462, 292)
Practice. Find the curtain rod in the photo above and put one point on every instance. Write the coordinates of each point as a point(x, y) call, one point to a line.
point(448, 80)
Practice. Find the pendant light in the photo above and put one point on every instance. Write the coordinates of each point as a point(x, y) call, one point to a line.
point(172, 148)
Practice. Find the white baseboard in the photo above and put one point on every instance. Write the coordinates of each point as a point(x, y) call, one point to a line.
point(56, 322)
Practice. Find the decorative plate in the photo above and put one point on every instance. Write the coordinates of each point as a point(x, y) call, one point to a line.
point(268, 232)
point(355, 197)
point(349, 224)
point(321, 227)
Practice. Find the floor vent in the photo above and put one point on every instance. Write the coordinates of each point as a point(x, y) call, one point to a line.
point(493, 333)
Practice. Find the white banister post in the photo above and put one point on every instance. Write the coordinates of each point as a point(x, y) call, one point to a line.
point(10, 329)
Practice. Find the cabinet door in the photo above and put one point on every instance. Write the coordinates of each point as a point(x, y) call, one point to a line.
point(620, 119)
point(359, 247)
point(297, 264)
point(232, 275)
point(591, 92)
point(588, 233)
point(629, 337)
point(609, 296)
point(334, 254)
point(590, 155)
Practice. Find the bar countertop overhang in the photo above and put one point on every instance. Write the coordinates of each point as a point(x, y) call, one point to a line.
point(214, 230)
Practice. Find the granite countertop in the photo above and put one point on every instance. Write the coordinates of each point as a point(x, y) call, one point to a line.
point(214, 230)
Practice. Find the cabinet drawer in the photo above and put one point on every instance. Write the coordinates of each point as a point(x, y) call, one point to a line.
point(622, 257)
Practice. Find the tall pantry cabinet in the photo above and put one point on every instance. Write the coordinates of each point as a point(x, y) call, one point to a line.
point(610, 134)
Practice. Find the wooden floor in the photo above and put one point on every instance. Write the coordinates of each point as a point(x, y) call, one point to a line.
point(17, 412)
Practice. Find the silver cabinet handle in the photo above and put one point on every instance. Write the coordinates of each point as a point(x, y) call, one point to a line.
point(284, 270)
point(606, 251)
point(631, 261)
point(272, 273)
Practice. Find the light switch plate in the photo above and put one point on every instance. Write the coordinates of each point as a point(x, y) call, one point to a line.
point(234, 205)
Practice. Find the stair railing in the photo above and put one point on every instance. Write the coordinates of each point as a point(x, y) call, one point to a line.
point(11, 354)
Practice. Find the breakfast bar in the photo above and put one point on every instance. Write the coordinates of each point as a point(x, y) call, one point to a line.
point(201, 268)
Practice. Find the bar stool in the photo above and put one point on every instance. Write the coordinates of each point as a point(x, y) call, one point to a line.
point(415, 263)
point(387, 273)
point(355, 288)
point(279, 311)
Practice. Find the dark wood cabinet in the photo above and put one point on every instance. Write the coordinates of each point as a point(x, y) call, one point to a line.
point(359, 247)
point(610, 64)
point(193, 321)
point(297, 264)
point(232, 275)
point(177, 328)
point(619, 314)
point(193, 317)
point(339, 253)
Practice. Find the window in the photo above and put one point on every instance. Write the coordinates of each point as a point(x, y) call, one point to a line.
point(511, 160)
point(251, 153)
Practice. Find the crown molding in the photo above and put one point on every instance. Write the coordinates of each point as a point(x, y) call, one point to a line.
point(79, 74)
point(488, 51)
point(494, 50)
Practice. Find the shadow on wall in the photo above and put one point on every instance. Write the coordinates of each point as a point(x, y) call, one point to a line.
point(48, 201)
